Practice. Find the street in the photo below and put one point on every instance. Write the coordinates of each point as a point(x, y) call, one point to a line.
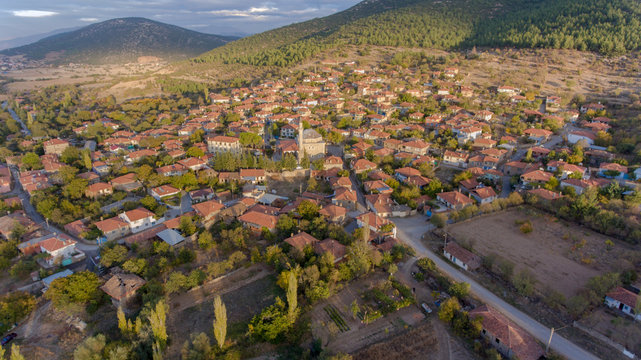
point(410, 231)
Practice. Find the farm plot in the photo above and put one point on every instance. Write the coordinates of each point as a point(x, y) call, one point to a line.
point(560, 256)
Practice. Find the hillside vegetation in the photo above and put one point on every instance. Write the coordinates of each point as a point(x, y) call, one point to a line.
point(120, 40)
point(609, 27)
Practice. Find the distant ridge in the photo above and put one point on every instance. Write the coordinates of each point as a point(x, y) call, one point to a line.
point(120, 40)
point(610, 27)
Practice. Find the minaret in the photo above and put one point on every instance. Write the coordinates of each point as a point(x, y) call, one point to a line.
point(301, 149)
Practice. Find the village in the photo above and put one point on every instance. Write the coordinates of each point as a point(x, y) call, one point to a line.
point(346, 168)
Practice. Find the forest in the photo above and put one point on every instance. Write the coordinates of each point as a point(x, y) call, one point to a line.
point(606, 27)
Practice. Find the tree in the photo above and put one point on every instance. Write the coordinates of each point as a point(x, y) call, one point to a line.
point(270, 323)
point(524, 282)
point(459, 290)
point(439, 220)
point(15, 353)
point(292, 295)
point(448, 309)
point(14, 307)
point(70, 155)
point(248, 139)
point(113, 255)
point(124, 326)
point(176, 283)
point(32, 161)
point(157, 318)
point(308, 210)
point(220, 321)
point(75, 189)
point(195, 151)
point(91, 348)
point(78, 288)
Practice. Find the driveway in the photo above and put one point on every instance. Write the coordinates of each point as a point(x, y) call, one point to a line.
point(410, 231)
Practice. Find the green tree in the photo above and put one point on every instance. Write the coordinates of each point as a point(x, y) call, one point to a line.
point(157, 318)
point(292, 295)
point(116, 254)
point(78, 288)
point(91, 348)
point(439, 220)
point(308, 210)
point(31, 161)
point(15, 353)
point(195, 151)
point(70, 155)
point(459, 290)
point(448, 309)
point(250, 140)
point(220, 321)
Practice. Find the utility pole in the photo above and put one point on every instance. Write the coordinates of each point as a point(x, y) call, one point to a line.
point(547, 348)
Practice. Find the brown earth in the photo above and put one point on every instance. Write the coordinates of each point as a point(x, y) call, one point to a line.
point(561, 256)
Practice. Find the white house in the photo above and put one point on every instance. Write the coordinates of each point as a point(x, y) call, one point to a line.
point(139, 219)
point(576, 136)
point(624, 300)
point(461, 257)
point(58, 248)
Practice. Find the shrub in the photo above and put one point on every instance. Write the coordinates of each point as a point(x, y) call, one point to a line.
point(526, 227)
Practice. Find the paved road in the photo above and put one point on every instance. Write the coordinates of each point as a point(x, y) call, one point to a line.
point(15, 116)
point(410, 230)
point(89, 249)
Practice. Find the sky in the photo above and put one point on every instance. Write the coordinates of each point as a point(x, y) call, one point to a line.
point(224, 17)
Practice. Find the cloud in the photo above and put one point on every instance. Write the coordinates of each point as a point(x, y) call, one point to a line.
point(88, 19)
point(33, 13)
point(253, 12)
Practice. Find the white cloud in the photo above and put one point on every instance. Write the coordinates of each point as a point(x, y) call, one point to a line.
point(255, 13)
point(89, 19)
point(33, 13)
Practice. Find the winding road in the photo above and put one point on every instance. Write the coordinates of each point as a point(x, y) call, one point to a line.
point(411, 229)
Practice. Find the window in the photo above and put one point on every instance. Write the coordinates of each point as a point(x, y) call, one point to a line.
point(498, 341)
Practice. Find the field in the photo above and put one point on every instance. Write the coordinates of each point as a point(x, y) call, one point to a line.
point(560, 256)
point(245, 294)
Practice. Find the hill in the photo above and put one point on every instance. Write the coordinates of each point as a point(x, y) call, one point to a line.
point(609, 27)
point(118, 41)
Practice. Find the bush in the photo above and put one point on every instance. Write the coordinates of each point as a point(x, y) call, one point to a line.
point(526, 227)
point(524, 283)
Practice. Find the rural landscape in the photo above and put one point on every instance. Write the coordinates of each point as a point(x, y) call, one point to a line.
point(385, 179)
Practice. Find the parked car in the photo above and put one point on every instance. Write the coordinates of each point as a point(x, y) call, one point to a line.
point(426, 308)
point(7, 339)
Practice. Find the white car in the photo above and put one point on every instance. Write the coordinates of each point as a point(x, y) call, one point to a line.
point(426, 308)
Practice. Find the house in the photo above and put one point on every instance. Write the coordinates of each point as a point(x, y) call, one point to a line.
point(55, 146)
point(163, 192)
point(301, 240)
point(536, 177)
point(484, 195)
point(613, 170)
point(454, 200)
point(545, 194)
point(208, 210)
point(99, 189)
point(415, 147)
point(139, 219)
point(113, 228)
point(219, 143)
point(565, 169)
point(583, 136)
point(461, 257)
point(170, 236)
point(345, 197)
point(538, 135)
point(58, 247)
point(101, 168)
point(403, 174)
point(257, 221)
point(172, 170)
point(381, 204)
point(5, 179)
point(377, 187)
point(624, 300)
point(8, 223)
point(201, 195)
point(126, 182)
point(332, 162)
point(454, 158)
point(193, 164)
point(507, 337)
point(334, 213)
point(122, 289)
point(363, 165)
point(288, 131)
point(376, 223)
point(580, 185)
point(253, 176)
point(331, 246)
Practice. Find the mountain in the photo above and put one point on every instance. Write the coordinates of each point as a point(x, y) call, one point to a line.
point(606, 26)
point(120, 40)
point(24, 40)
